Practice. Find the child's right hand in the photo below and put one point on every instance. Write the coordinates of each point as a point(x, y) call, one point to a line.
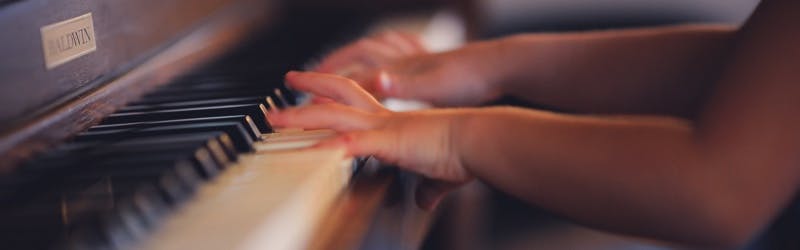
point(421, 142)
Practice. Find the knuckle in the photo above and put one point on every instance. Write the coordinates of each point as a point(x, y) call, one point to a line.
point(346, 80)
point(348, 137)
point(363, 43)
point(325, 107)
point(380, 119)
point(386, 35)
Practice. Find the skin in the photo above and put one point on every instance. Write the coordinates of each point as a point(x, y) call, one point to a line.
point(665, 70)
point(712, 180)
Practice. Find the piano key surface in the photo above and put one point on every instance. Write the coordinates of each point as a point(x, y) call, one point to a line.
point(271, 199)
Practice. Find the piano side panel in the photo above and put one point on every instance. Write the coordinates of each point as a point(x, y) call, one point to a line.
point(126, 33)
point(207, 38)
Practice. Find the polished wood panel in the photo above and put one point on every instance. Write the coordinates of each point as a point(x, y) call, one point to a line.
point(216, 35)
point(125, 32)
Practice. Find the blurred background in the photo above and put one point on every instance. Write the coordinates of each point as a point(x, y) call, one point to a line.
point(509, 16)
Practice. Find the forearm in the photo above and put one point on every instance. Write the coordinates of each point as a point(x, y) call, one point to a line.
point(654, 70)
point(640, 175)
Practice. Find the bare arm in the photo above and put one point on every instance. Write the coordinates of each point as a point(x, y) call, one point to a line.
point(665, 70)
point(714, 182)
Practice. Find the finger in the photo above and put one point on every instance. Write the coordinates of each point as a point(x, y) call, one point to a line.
point(366, 51)
point(365, 143)
point(430, 192)
point(413, 40)
point(405, 43)
point(375, 52)
point(331, 115)
point(406, 86)
point(321, 100)
point(338, 58)
point(335, 87)
point(370, 81)
point(385, 84)
point(380, 83)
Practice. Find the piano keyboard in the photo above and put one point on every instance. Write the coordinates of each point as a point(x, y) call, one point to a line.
point(198, 148)
point(268, 200)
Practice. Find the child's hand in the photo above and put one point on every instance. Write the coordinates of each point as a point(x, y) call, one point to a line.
point(393, 64)
point(417, 141)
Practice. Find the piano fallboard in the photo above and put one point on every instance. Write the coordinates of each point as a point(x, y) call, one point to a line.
point(42, 106)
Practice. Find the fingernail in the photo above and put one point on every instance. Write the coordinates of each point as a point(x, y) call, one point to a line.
point(384, 81)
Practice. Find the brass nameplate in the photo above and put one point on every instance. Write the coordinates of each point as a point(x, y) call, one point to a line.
point(67, 40)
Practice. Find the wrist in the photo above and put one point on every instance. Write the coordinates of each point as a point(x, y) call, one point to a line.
point(502, 62)
point(460, 136)
point(487, 64)
point(518, 53)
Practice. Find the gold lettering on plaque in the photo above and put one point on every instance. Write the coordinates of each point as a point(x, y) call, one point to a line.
point(69, 39)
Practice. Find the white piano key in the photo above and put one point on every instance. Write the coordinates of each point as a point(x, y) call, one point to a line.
point(267, 200)
point(292, 139)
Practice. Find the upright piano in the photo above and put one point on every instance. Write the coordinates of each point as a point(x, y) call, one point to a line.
point(141, 124)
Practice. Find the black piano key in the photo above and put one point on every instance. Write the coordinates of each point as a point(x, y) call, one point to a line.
point(141, 171)
point(129, 223)
point(281, 98)
point(194, 104)
point(175, 182)
point(131, 220)
point(113, 229)
point(90, 235)
point(152, 208)
point(80, 195)
point(223, 139)
point(202, 158)
point(124, 185)
point(245, 120)
point(219, 151)
point(158, 149)
point(179, 183)
point(241, 139)
point(256, 111)
point(67, 179)
point(148, 142)
point(58, 212)
point(200, 95)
